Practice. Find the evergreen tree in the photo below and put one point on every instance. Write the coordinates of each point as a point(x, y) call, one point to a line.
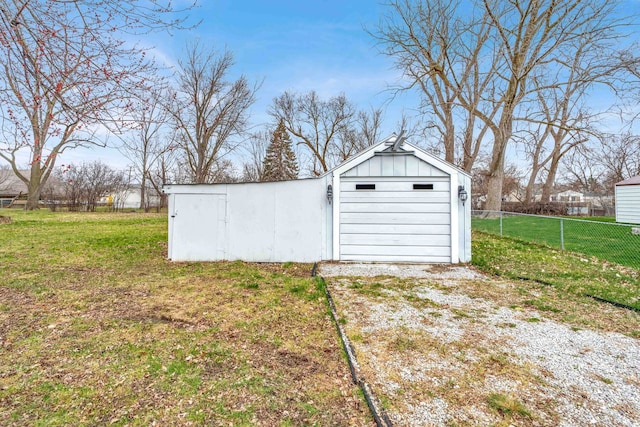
point(280, 162)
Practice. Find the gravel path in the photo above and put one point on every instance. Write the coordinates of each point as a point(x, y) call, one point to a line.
point(435, 355)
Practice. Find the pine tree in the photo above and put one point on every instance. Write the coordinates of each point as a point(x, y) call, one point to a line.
point(280, 162)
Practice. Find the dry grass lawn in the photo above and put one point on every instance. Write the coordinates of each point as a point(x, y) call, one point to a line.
point(97, 328)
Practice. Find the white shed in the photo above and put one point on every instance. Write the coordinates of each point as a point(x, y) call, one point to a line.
point(628, 200)
point(392, 202)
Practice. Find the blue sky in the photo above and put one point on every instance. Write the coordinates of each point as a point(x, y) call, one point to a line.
point(299, 46)
point(317, 45)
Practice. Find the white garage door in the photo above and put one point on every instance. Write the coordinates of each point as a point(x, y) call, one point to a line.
point(395, 219)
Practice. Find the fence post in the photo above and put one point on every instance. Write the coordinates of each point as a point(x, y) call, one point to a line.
point(562, 234)
point(501, 223)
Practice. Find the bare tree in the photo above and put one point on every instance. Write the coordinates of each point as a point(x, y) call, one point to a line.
point(163, 171)
point(363, 132)
point(427, 40)
point(480, 184)
point(66, 69)
point(146, 139)
point(210, 112)
point(84, 185)
point(255, 150)
point(596, 166)
point(563, 117)
point(620, 157)
point(330, 131)
point(4, 176)
point(583, 169)
point(484, 60)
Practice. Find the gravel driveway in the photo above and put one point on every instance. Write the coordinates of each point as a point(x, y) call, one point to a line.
point(436, 354)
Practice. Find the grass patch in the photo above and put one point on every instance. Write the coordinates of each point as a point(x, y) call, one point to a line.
point(601, 239)
point(568, 272)
point(97, 327)
point(541, 305)
point(507, 405)
point(604, 379)
point(367, 288)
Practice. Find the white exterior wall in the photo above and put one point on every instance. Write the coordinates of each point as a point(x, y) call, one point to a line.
point(411, 164)
point(266, 222)
point(294, 220)
point(628, 203)
point(464, 220)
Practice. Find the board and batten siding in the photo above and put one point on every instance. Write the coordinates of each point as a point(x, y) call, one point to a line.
point(394, 165)
point(628, 203)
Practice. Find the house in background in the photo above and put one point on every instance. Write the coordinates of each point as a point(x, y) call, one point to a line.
point(393, 202)
point(574, 200)
point(130, 196)
point(568, 196)
point(10, 187)
point(628, 200)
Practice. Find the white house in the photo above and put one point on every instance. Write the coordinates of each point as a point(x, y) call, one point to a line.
point(568, 196)
point(628, 200)
point(391, 202)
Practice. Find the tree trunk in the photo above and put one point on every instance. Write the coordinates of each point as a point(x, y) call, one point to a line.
point(551, 178)
point(449, 137)
point(34, 187)
point(143, 190)
point(496, 172)
point(494, 190)
point(528, 192)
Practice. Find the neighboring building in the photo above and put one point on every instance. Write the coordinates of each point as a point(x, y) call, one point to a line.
point(392, 202)
point(568, 196)
point(129, 198)
point(600, 204)
point(573, 200)
point(10, 187)
point(628, 200)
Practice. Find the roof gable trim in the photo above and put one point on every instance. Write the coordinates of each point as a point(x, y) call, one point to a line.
point(416, 151)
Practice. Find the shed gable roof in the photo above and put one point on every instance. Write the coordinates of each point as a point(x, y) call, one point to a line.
point(634, 180)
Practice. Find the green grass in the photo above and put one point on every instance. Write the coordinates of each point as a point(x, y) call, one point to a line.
point(566, 271)
point(611, 242)
point(97, 327)
point(507, 405)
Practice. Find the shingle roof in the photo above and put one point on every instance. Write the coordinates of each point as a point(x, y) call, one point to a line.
point(10, 184)
point(634, 180)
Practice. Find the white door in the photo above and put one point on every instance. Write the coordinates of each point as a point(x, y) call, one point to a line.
point(395, 219)
point(199, 227)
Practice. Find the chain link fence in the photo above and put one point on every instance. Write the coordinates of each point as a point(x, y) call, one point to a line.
point(610, 241)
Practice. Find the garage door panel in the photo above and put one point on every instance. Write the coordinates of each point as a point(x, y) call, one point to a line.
point(396, 250)
point(433, 259)
point(393, 221)
point(397, 197)
point(396, 239)
point(395, 207)
point(395, 229)
point(395, 186)
point(384, 218)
